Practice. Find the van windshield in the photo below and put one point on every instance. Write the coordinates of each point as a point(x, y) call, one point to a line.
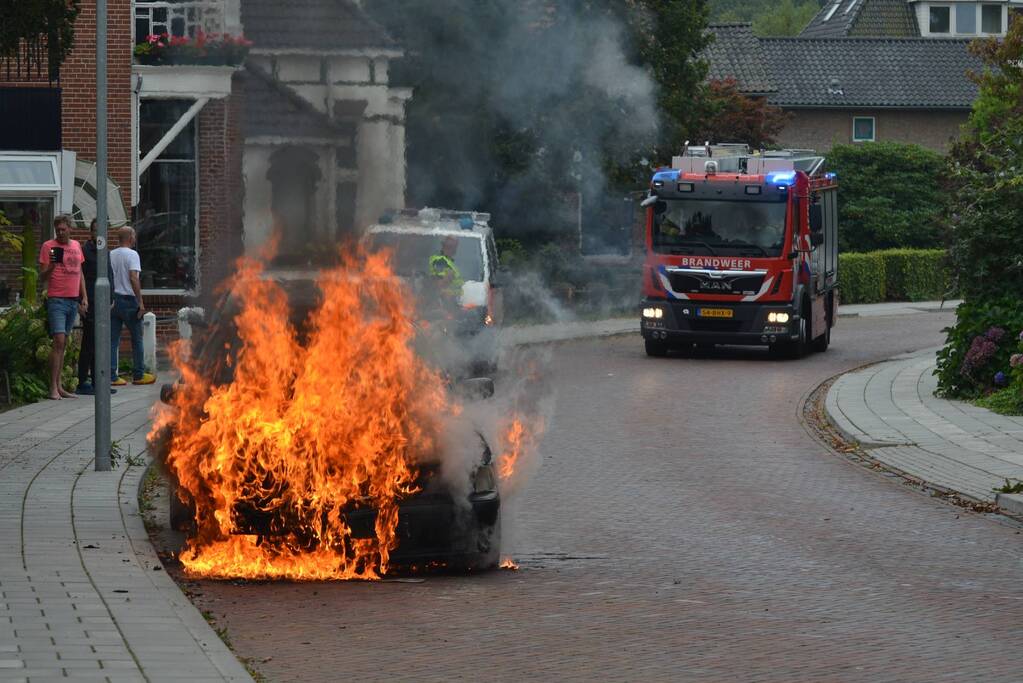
point(719, 228)
point(412, 251)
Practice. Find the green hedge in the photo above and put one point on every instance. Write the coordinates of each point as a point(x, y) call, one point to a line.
point(893, 275)
point(861, 278)
point(916, 274)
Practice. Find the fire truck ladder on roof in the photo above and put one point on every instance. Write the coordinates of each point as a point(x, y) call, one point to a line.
point(736, 159)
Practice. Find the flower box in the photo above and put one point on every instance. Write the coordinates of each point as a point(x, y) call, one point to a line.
point(206, 49)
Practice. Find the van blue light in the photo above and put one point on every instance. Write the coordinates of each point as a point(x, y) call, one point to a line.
point(781, 177)
point(831, 176)
point(666, 176)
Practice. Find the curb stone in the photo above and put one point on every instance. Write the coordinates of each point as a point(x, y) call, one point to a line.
point(1011, 503)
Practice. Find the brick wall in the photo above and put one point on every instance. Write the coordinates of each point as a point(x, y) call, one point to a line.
point(820, 129)
point(220, 188)
point(78, 81)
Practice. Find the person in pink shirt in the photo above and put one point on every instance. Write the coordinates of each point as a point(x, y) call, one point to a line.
point(60, 265)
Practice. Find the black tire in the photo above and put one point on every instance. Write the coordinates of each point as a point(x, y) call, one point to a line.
point(821, 343)
point(657, 349)
point(794, 349)
point(488, 548)
point(181, 517)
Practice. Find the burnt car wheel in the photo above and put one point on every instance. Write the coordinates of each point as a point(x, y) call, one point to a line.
point(181, 516)
point(488, 543)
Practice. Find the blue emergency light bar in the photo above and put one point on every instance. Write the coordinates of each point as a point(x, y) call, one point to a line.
point(781, 177)
point(662, 178)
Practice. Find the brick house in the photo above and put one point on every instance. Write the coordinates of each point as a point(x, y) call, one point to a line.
point(183, 198)
point(865, 70)
point(308, 140)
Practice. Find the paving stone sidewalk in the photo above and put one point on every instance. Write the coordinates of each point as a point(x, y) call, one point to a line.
point(891, 410)
point(82, 593)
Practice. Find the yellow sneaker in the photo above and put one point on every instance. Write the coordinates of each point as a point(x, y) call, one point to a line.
point(118, 382)
point(146, 378)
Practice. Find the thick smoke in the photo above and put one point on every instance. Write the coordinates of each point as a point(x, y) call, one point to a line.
point(518, 107)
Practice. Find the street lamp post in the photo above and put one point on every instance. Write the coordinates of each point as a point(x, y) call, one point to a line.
point(101, 297)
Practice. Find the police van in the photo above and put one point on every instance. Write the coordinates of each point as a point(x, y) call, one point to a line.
point(414, 236)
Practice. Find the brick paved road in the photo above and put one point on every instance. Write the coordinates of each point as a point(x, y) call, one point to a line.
point(683, 527)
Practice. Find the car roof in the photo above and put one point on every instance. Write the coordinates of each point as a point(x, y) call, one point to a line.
point(435, 222)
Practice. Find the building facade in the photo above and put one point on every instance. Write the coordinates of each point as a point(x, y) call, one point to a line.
point(208, 155)
point(846, 89)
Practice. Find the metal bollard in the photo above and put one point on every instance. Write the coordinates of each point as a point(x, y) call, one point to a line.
point(149, 342)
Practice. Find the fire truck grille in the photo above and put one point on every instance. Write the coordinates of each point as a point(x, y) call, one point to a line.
point(698, 283)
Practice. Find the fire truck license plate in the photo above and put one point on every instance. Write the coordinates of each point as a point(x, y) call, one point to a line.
point(715, 312)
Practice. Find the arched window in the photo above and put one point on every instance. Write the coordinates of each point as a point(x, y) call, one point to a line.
point(294, 175)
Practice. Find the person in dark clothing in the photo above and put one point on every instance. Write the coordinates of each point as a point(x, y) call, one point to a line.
point(87, 355)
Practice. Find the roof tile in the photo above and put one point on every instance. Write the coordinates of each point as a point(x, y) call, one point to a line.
point(871, 72)
point(326, 25)
point(735, 53)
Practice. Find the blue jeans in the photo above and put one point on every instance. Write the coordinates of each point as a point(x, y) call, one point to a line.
point(126, 311)
point(61, 314)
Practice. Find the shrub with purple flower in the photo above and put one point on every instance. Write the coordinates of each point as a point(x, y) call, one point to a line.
point(982, 349)
point(1008, 385)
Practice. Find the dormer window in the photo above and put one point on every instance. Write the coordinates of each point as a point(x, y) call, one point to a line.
point(966, 17)
point(963, 19)
point(991, 19)
point(941, 19)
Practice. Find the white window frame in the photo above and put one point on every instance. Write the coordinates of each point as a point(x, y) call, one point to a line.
point(21, 189)
point(953, 23)
point(873, 129)
point(951, 19)
point(980, 18)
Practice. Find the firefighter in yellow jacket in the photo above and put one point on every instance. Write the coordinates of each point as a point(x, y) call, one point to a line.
point(445, 272)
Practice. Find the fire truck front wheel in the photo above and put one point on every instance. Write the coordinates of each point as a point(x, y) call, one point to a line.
point(798, 347)
point(657, 349)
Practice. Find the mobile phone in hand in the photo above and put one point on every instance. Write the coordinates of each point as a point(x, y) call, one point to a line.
point(56, 254)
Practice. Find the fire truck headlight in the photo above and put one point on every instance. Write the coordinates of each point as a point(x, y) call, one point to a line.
point(778, 317)
point(654, 313)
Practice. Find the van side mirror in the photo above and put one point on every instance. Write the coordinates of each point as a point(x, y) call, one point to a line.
point(816, 218)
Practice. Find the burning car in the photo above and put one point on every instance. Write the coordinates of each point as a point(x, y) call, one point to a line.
point(307, 439)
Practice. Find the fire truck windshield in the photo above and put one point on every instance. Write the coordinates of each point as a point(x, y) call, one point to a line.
point(707, 227)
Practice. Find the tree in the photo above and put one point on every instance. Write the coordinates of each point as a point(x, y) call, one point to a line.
point(672, 35)
point(787, 18)
point(985, 213)
point(987, 178)
point(890, 195)
point(26, 23)
point(733, 117)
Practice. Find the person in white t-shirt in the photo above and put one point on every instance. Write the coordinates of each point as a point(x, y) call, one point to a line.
point(128, 307)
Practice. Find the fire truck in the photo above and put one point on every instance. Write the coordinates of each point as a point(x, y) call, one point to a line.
point(741, 248)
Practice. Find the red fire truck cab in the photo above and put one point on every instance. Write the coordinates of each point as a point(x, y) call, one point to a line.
point(741, 249)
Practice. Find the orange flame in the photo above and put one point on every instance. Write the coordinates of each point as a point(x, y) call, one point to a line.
point(312, 425)
point(508, 563)
point(518, 449)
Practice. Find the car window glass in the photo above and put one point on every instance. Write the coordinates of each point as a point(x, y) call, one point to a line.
point(412, 252)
